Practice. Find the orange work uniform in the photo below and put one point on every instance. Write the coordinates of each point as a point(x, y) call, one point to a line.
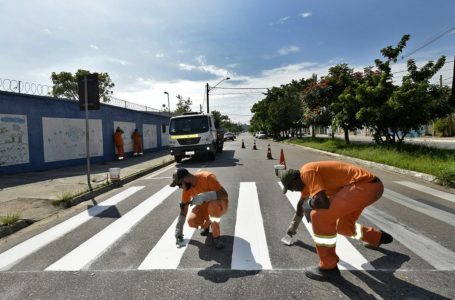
point(137, 143)
point(207, 213)
point(350, 189)
point(118, 140)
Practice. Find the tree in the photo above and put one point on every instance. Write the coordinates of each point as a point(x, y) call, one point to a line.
point(183, 105)
point(65, 85)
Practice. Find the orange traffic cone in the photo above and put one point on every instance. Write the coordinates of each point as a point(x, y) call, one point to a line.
point(269, 152)
point(243, 145)
point(282, 159)
point(254, 145)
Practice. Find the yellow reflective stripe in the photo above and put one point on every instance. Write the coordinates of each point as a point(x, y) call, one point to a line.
point(325, 240)
point(358, 233)
point(184, 136)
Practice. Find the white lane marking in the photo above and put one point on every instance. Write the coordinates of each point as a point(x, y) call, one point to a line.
point(425, 209)
point(18, 252)
point(428, 190)
point(250, 250)
point(435, 254)
point(166, 255)
point(151, 176)
point(85, 253)
point(350, 257)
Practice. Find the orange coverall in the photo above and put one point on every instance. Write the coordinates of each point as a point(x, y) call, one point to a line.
point(118, 140)
point(137, 143)
point(200, 215)
point(350, 189)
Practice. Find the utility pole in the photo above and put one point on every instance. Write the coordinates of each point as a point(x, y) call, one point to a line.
point(452, 102)
point(207, 89)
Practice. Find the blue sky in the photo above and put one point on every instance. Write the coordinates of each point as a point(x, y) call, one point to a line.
point(149, 47)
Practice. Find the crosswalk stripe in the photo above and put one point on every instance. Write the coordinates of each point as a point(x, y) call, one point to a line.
point(428, 190)
point(12, 256)
point(250, 250)
point(350, 257)
point(166, 255)
point(435, 254)
point(84, 254)
point(151, 176)
point(428, 210)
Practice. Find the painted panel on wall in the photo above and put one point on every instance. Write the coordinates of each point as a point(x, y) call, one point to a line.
point(14, 148)
point(149, 136)
point(64, 138)
point(164, 136)
point(128, 129)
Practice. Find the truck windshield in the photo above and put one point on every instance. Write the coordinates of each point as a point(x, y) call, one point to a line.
point(186, 125)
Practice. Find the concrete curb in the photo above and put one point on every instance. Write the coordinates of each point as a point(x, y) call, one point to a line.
point(421, 176)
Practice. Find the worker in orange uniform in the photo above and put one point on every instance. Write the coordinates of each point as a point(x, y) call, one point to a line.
point(333, 195)
point(137, 143)
point(118, 140)
point(203, 190)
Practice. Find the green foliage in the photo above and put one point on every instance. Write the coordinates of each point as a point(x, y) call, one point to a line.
point(9, 219)
point(225, 122)
point(65, 85)
point(183, 105)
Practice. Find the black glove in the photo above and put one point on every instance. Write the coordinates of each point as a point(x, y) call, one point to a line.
point(292, 229)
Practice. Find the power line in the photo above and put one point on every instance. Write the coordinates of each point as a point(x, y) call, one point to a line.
point(437, 37)
point(231, 88)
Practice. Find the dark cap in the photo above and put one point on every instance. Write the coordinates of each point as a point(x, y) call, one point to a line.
point(288, 177)
point(178, 175)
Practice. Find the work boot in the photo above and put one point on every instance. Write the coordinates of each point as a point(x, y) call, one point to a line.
point(316, 273)
point(205, 231)
point(218, 243)
point(385, 238)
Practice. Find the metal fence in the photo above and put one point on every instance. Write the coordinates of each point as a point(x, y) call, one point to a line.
point(23, 87)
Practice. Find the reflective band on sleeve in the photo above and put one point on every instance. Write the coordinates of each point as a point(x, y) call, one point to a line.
point(358, 234)
point(325, 240)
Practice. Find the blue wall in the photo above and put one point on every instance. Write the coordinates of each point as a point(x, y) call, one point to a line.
point(37, 107)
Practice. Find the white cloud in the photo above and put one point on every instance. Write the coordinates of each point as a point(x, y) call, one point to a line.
point(281, 21)
point(117, 61)
point(46, 31)
point(94, 47)
point(288, 50)
point(159, 55)
point(203, 67)
point(306, 14)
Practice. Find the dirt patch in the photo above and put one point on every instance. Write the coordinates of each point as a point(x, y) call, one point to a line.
point(29, 208)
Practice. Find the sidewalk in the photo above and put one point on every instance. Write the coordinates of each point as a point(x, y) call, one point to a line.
point(30, 195)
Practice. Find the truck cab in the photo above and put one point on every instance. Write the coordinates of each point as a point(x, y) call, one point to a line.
point(193, 134)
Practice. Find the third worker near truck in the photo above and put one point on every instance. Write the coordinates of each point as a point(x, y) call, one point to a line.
point(333, 195)
point(209, 199)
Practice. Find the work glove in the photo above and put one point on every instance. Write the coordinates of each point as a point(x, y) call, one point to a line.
point(292, 229)
point(179, 228)
point(203, 197)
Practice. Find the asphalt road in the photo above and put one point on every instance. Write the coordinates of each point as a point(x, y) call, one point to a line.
point(122, 248)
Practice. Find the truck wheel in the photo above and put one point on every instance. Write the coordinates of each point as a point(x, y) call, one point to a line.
point(178, 158)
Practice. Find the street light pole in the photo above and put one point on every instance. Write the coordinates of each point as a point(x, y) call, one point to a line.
point(168, 105)
point(208, 89)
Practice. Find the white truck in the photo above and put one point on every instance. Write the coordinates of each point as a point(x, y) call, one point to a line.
point(193, 134)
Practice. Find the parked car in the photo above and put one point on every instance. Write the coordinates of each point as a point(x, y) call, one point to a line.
point(229, 136)
point(261, 135)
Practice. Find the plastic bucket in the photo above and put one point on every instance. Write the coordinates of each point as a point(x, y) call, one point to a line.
point(114, 174)
point(279, 169)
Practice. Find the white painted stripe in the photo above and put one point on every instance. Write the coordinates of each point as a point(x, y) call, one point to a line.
point(151, 176)
point(84, 254)
point(428, 190)
point(12, 256)
point(435, 254)
point(250, 250)
point(350, 257)
point(428, 210)
point(166, 255)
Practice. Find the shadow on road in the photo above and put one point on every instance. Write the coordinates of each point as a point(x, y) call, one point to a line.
point(224, 159)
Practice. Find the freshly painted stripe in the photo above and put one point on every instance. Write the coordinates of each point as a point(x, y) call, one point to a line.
point(350, 257)
point(166, 255)
point(84, 254)
point(428, 190)
point(435, 254)
point(420, 207)
point(250, 250)
point(12, 256)
point(151, 176)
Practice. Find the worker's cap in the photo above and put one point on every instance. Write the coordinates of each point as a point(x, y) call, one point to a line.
point(287, 178)
point(178, 175)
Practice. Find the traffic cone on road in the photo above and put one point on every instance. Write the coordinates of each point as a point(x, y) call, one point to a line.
point(282, 159)
point(243, 145)
point(269, 152)
point(254, 145)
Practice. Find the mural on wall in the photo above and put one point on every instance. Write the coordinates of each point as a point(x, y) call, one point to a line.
point(164, 135)
point(128, 129)
point(149, 136)
point(13, 140)
point(64, 139)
